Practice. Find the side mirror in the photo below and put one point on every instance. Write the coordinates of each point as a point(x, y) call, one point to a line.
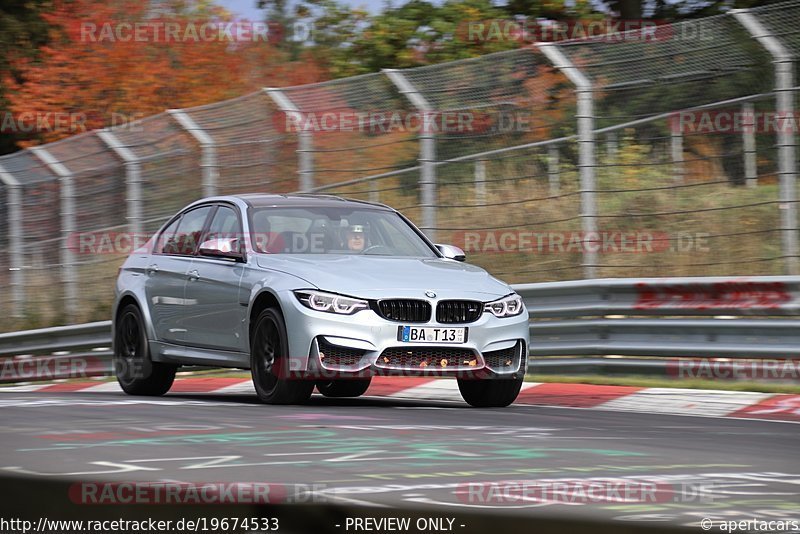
point(223, 247)
point(452, 252)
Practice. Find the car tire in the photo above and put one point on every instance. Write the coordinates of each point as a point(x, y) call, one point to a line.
point(344, 388)
point(269, 362)
point(489, 393)
point(136, 373)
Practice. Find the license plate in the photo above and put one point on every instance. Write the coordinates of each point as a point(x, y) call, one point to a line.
point(428, 334)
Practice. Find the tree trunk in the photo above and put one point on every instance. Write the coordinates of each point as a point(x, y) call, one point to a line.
point(629, 9)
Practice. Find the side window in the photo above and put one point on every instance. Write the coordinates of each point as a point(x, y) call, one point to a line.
point(166, 241)
point(225, 224)
point(187, 236)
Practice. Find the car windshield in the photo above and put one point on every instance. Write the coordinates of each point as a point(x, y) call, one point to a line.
point(334, 230)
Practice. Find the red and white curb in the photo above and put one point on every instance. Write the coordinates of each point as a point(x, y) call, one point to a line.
point(699, 402)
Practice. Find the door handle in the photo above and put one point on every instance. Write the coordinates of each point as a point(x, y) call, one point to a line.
point(151, 269)
point(194, 275)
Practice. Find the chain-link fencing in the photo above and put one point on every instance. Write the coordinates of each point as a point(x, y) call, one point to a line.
point(243, 148)
point(663, 178)
point(38, 254)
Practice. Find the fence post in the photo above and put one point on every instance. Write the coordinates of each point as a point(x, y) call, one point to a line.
point(133, 181)
point(374, 194)
point(586, 165)
point(480, 182)
point(14, 214)
point(305, 140)
point(749, 144)
point(787, 166)
point(208, 161)
point(612, 151)
point(427, 150)
point(553, 170)
point(677, 156)
point(68, 228)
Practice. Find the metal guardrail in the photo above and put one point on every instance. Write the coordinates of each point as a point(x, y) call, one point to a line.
point(696, 317)
point(728, 338)
point(74, 338)
point(692, 296)
point(74, 351)
point(699, 317)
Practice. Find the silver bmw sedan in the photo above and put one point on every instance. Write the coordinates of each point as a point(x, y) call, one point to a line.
point(312, 290)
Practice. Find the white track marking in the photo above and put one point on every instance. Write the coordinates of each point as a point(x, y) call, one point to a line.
point(685, 401)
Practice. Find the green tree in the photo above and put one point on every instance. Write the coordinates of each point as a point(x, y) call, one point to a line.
point(350, 41)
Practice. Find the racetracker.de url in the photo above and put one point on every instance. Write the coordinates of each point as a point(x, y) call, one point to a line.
point(198, 524)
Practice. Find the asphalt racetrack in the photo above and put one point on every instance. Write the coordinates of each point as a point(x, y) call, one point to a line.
point(443, 458)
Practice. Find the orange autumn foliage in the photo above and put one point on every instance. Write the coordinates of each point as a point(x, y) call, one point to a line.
point(103, 77)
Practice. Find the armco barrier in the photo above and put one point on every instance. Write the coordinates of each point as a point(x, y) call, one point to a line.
point(79, 337)
point(695, 296)
point(701, 317)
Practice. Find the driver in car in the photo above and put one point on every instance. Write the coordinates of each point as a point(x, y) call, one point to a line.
point(356, 238)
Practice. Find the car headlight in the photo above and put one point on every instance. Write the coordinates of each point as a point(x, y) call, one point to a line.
point(330, 302)
point(505, 307)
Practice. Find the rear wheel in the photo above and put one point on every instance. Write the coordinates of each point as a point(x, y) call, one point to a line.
point(497, 393)
point(136, 373)
point(344, 388)
point(269, 363)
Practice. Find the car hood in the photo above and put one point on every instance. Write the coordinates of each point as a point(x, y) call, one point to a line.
point(381, 277)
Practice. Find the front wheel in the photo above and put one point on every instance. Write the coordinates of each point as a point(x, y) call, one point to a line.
point(269, 363)
point(497, 393)
point(136, 373)
point(344, 388)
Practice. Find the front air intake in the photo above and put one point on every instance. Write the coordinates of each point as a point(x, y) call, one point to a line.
point(458, 311)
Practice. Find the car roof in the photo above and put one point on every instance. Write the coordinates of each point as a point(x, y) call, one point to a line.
point(260, 200)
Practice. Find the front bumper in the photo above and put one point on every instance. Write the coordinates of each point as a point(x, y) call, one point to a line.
point(325, 345)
